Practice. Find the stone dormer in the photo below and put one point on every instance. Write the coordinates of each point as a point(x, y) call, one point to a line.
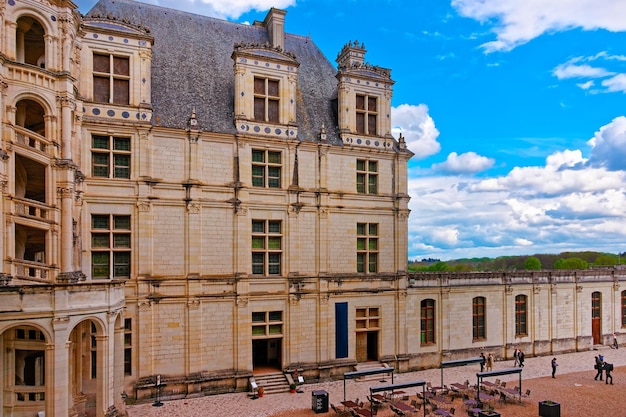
point(364, 99)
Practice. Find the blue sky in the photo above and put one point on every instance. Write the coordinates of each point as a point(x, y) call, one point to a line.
point(515, 111)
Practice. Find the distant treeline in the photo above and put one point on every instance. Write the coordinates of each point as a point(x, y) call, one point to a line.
point(564, 260)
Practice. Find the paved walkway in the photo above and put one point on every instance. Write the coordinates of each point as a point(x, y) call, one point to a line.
point(241, 405)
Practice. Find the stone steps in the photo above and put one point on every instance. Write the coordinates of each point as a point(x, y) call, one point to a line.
point(272, 383)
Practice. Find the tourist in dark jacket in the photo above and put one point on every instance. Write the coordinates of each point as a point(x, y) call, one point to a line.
point(598, 366)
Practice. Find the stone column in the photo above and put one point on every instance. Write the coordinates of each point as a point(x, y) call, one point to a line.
point(103, 383)
point(59, 369)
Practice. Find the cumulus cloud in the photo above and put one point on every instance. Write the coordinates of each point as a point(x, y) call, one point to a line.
point(579, 68)
point(518, 22)
point(466, 163)
point(569, 203)
point(579, 71)
point(223, 9)
point(609, 145)
point(616, 84)
point(417, 127)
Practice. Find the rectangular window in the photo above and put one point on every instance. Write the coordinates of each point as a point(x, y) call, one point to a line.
point(366, 114)
point(266, 247)
point(110, 156)
point(266, 168)
point(366, 177)
point(128, 347)
point(427, 321)
point(267, 324)
point(367, 247)
point(478, 318)
point(111, 79)
point(266, 100)
point(368, 318)
point(110, 246)
point(520, 315)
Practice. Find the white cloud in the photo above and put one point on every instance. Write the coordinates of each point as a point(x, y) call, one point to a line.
point(586, 85)
point(569, 203)
point(616, 84)
point(609, 145)
point(223, 9)
point(466, 163)
point(579, 71)
point(417, 127)
point(517, 22)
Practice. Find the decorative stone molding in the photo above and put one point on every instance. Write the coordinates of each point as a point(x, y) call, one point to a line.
point(4, 155)
point(5, 279)
point(323, 212)
point(403, 214)
point(71, 277)
point(242, 301)
point(193, 207)
point(193, 304)
point(144, 206)
point(144, 305)
point(65, 192)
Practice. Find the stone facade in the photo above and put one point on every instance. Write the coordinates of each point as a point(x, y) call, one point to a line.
point(186, 200)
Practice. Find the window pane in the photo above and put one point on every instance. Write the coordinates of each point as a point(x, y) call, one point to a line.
point(276, 316)
point(360, 228)
point(100, 240)
point(373, 262)
point(121, 264)
point(99, 222)
point(273, 243)
point(360, 102)
point(121, 66)
point(274, 227)
point(100, 142)
point(360, 243)
point(360, 123)
point(276, 329)
point(101, 92)
point(372, 166)
point(121, 222)
point(360, 165)
point(273, 157)
point(360, 183)
point(373, 229)
point(121, 144)
point(272, 88)
point(121, 91)
point(360, 262)
point(273, 177)
point(258, 317)
point(372, 186)
point(371, 104)
point(371, 124)
point(259, 86)
point(258, 242)
point(258, 263)
point(258, 176)
point(258, 226)
point(101, 63)
point(122, 166)
point(100, 264)
point(258, 156)
point(373, 244)
point(259, 109)
point(274, 263)
point(121, 240)
point(272, 111)
point(258, 330)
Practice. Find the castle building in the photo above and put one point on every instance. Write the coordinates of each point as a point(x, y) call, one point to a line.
point(186, 200)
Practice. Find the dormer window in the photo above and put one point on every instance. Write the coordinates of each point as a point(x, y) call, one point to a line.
point(111, 79)
point(266, 100)
point(366, 115)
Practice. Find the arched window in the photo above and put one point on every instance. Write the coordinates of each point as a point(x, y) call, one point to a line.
point(521, 309)
point(478, 318)
point(427, 321)
point(30, 47)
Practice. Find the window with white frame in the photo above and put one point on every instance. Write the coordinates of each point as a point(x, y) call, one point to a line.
point(110, 156)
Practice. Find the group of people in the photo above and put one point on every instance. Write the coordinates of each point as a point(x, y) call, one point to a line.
point(486, 362)
point(603, 367)
point(518, 356)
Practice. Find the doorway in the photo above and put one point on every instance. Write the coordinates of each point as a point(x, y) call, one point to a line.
point(596, 317)
point(367, 346)
point(266, 354)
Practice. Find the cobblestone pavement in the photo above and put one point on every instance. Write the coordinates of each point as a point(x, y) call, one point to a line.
point(239, 404)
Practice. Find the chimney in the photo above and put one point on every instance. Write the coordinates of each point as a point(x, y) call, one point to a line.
point(351, 55)
point(275, 24)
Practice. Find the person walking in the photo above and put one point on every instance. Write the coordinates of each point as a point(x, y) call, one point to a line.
point(489, 362)
point(554, 365)
point(516, 357)
point(615, 344)
point(608, 367)
point(520, 358)
point(598, 367)
point(482, 362)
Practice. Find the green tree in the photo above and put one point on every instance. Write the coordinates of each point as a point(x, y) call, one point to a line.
point(571, 263)
point(532, 263)
point(606, 260)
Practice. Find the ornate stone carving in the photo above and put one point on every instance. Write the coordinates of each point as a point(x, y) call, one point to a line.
point(65, 192)
point(193, 207)
point(144, 206)
point(71, 277)
point(5, 279)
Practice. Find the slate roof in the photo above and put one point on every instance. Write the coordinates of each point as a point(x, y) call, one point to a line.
point(192, 68)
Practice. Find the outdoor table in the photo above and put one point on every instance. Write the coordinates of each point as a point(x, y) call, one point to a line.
point(404, 407)
point(363, 412)
point(349, 404)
